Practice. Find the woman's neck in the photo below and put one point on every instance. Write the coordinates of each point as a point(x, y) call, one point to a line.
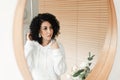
point(45, 43)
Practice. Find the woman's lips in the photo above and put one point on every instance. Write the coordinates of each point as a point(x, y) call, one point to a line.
point(49, 36)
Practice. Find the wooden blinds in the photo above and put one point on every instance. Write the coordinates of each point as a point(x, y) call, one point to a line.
point(84, 24)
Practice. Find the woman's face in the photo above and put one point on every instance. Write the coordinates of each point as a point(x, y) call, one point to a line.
point(46, 31)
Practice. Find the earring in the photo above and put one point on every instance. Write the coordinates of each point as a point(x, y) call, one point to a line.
point(39, 35)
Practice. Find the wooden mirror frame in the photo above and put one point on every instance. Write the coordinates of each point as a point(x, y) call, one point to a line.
point(103, 66)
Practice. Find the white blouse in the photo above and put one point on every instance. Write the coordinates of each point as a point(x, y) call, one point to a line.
point(45, 63)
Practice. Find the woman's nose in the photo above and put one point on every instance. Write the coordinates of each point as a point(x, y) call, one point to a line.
point(49, 30)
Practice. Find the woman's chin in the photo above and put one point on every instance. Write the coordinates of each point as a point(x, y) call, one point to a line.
point(48, 39)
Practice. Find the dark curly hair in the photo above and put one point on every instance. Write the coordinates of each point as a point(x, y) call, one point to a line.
point(36, 25)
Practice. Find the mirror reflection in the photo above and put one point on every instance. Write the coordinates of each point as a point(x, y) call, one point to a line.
point(52, 55)
point(45, 55)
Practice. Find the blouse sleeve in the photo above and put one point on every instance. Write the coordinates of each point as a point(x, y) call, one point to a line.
point(29, 51)
point(59, 60)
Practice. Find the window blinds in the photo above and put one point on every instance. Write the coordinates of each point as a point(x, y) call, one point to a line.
point(84, 24)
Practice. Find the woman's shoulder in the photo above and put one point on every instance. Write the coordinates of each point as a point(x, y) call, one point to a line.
point(31, 43)
point(58, 42)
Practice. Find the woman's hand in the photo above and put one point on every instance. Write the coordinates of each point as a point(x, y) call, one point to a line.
point(29, 36)
point(54, 45)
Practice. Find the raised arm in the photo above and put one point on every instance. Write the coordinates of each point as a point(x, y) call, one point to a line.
point(29, 50)
point(58, 58)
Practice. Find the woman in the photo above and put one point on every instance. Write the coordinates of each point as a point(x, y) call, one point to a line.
point(45, 56)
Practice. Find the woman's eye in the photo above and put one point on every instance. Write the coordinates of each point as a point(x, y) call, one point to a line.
point(45, 28)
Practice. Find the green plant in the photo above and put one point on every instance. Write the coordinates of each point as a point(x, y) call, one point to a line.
point(83, 73)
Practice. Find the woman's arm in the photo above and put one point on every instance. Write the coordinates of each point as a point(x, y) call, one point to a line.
point(58, 58)
point(29, 50)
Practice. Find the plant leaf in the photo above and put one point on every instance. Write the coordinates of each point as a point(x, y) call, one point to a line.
point(78, 73)
point(89, 64)
point(93, 56)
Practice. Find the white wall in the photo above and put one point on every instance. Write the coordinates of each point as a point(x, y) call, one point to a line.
point(115, 73)
point(8, 67)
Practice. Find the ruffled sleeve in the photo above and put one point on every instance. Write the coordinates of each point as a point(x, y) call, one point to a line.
point(59, 60)
point(29, 49)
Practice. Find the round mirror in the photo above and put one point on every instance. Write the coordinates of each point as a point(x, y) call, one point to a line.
point(86, 30)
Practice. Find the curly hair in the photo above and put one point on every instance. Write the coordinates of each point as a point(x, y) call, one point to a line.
point(36, 25)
